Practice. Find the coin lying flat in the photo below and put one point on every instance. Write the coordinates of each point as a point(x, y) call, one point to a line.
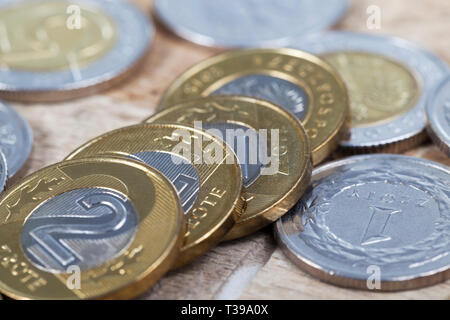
point(272, 183)
point(438, 112)
point(3, 171)
point(247, 23)
point(369, 218)
point(389, 81)
point(210, 191)
point(54, 50)
point(116, 225)
point(16, 138)
point(299, 82)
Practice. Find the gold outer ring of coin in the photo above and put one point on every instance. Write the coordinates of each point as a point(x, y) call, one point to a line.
point(271, 195)
point(149, 256)
point(219, 203)
point(328, 116)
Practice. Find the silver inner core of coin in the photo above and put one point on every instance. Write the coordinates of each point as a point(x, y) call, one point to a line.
point(276, 90)
point(178, 170)
point(246, 144)
point(84, 228)
point(386, 211)
point(3, 172)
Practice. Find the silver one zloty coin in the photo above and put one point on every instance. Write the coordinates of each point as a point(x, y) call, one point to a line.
point(3, 171)
point(248, 23)
point(16, 138)
point(382, 218)
point(438, 112)
point(68, 49)
point(389, 81)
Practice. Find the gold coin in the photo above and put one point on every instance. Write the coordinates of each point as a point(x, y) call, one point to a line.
point(297, 81)
point(85, 229)
point(210, 191)
point(380, 89)
point(37, 38)
point(273, 181)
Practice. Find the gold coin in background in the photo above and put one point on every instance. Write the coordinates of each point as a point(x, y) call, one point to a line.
point(210, 192)
point(272, 185)
point(380, 89)
point(302, 83)
point(93, 228)
point(36, 37)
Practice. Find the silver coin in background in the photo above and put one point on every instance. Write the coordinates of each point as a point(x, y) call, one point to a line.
point(389, 81)
point(3, 171)
point(248, 23)
point(16, 138)
point(438, 112)
point(69, 49)
point(369, 218)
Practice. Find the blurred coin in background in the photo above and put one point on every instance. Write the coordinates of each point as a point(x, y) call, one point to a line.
point(389, 81)
point(247, 23)
point(271, 145)
point(438, 112)
point(378, 222)
point(88, 229)
point(16, 138)
point(210, 192)
point(53, 50)
point(301, 83)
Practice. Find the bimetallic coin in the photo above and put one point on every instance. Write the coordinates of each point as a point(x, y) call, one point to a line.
point(438, 112)
point(248, 23)
point(271, 145)
point(210, 191)
point(16, 138)
point(115, 223)
point(297, 81)
point(3, 171)
point(54, 50)
point(373, 219)
point(389, 81)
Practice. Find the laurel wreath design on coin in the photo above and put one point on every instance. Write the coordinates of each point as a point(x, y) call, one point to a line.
point(323, 240)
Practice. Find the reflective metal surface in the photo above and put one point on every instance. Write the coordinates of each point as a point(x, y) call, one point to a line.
point(384, 212)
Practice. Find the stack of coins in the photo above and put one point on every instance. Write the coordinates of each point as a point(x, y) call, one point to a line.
point(230, 151)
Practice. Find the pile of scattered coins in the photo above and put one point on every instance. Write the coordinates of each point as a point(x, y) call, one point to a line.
point(230, 151)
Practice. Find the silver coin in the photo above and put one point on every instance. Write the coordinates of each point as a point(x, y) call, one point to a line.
point(381, 215)
point(3, 171)
point(425, 69)
point(84, 227)
point(248, 23)
point(16, 138)
point(438, 112)
point(276, 90)
point(134, 34)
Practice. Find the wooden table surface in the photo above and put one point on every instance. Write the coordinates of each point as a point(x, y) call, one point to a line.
point(253, 267)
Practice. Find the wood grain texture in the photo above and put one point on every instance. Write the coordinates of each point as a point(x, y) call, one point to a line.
point(250, 268)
